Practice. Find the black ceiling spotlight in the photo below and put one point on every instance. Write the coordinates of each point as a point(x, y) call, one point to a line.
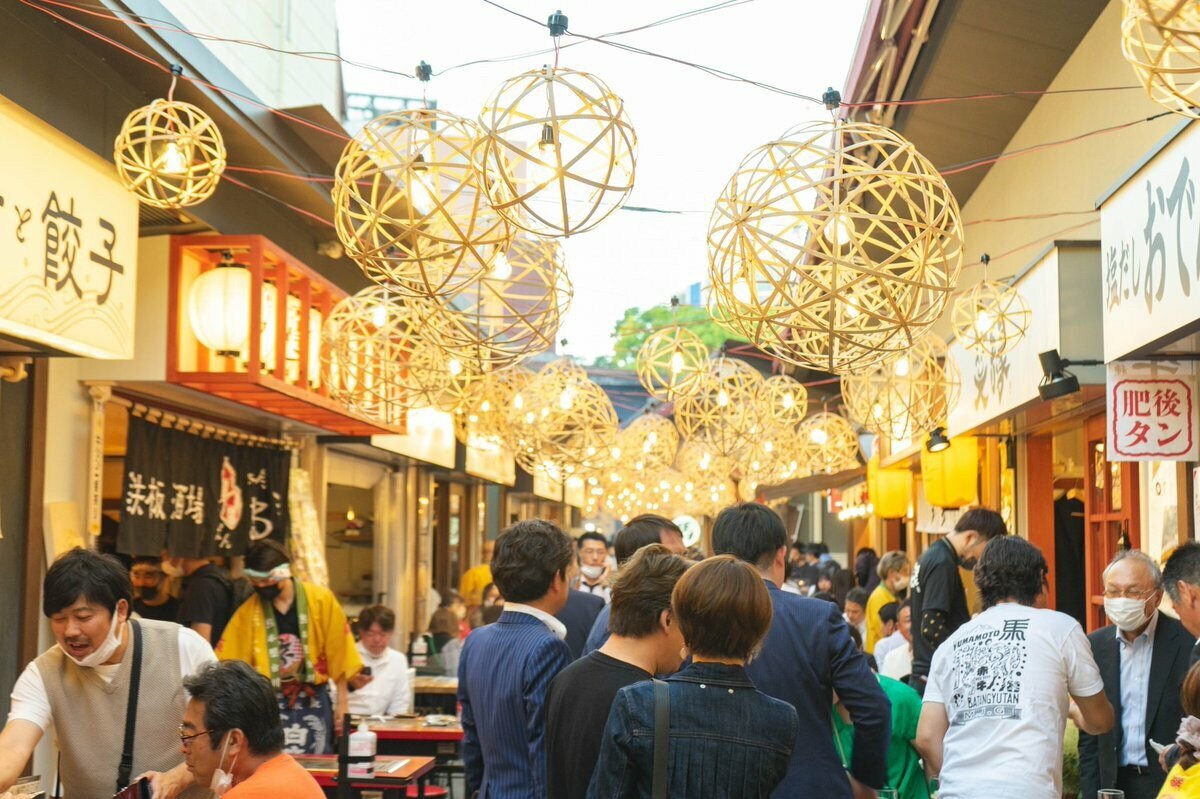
point(1057, 381)
point(937, 440)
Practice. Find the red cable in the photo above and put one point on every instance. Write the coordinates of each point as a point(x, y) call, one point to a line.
point(270, 196)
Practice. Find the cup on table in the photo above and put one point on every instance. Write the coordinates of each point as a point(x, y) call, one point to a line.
point(1110, 793)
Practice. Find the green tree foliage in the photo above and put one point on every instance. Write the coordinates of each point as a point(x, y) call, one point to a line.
point(636, 325)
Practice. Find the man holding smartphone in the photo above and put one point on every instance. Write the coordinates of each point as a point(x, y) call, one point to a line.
point(381, 688)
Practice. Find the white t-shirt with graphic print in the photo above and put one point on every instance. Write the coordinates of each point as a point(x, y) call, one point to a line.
point(1006, 678)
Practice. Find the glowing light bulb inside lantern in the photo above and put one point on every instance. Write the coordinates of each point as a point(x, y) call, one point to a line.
point(705, 461)
point(173, 160)
point(485, 406)
point(544, 169)
point(379, 315)
point(900, 368)
point(722, 398)
point(839, 229)
point(984, 322)
point(501, 267)
point(566, 399)
point(422, 198)
point(819, 436)
point(651, 440)
point(789, 401)
point(877, 411)
point(454, 367)
point(518, 401)
point(677, 363)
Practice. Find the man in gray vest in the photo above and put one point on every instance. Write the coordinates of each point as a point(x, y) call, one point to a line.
point(79, 690)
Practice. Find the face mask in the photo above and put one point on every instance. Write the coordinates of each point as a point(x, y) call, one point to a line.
point(1127, 614)
point(171, 570)
point(968, 563)
point(269, 592)
point(148, 591)
point(222, 780)
point(900, 586)
point(106, 649)
point(592, 572)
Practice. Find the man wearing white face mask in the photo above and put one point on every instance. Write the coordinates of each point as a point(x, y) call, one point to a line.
point(232, 737)
point(593, 565)
point(81, 689)
point(1143, 657)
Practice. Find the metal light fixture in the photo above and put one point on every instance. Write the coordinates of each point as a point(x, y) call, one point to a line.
point(1057, 381)
point(937, 441)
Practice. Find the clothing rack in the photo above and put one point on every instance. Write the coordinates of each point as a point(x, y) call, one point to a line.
point(196, 427)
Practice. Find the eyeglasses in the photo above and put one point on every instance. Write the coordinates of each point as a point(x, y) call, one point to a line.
point(1129, 593)
point(185, 739)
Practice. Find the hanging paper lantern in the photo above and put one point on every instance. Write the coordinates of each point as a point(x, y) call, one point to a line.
point(1161, 41)
point(827, 444)
point(787, 400)
point(907, 395)
point(647, 444)
point(170, 154)
point(671, 363)
point(725, 411)
point(990, 318)
point(409, 207)
point(834, 246)
point(889, 490)
point(558, 151)
point(512, 312)
point(375, 360)
point(565, 424)
point(950, 477)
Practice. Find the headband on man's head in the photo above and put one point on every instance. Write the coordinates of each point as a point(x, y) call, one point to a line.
point(281, 572)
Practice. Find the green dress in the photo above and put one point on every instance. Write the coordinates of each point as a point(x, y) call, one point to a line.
point(904, 766)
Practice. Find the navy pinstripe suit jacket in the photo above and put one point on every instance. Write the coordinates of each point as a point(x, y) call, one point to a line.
point(503, 674)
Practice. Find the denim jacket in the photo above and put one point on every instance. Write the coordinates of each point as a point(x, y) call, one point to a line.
point(727, 738)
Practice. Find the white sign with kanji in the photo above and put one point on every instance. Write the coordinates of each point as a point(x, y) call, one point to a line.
point(1152, 411)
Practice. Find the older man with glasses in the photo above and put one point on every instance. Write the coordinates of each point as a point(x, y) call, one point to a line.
point(1143, 657)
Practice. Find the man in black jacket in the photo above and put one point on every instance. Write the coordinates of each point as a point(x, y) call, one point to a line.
point(1143, 657)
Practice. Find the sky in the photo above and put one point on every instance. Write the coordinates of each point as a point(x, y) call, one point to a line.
point(692, 128)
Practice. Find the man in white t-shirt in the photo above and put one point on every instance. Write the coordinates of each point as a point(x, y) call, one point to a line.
point(384, 691)
point(78, 689)
point(1001, 687)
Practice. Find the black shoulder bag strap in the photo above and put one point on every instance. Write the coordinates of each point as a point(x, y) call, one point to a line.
point(662, 737)
point(125, 772)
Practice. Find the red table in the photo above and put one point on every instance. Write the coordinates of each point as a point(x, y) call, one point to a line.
point(324, 769)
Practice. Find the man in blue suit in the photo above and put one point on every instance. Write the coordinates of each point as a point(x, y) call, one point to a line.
point(506, 667)
point(578, 616)
point(807, 655)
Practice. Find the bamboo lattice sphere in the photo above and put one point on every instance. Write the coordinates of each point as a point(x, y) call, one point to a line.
point(510, 313)
point(409, 207)
point(566, 423)
point(725, 412)
point(558, 151)
point(701, 462)
point(907, 395)
point(826, 444)
point(1161, 41)
point(990, 318)
point(374, 358)
point(481, 419)
point(170, 154)
point(671, 363)
point(787, 400)
point(834, 247)
point(648, 443)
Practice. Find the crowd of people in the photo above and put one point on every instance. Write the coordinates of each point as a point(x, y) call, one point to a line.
point(634, 670)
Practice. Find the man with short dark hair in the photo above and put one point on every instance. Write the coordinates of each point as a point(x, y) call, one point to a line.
point(593, 565)
point(939, 600)
point(893, 654)
point(997, 698)
point(645, 641)
point(1181, 578)
point(505, 668)
point(78, 689)
point(150, 597)
point(232, 737)
point(208, 596)
point(640, 531)
point(856, 610)
point(807, 656)
point(384, 690)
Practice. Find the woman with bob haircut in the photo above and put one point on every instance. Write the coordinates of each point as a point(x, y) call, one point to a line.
point(727, 739)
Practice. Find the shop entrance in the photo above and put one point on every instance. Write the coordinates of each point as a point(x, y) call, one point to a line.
point(1111, 513)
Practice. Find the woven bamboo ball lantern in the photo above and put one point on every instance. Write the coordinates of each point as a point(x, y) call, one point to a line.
point(170, 154)
point(990, 318)
point(409, 207)
point(512, 312)
point(725, 412)
point(1161, 41)
point(906, 395)
point(826, 444)
point(701, 462)
point(671, 363)
point(834, 246)
point(565, 424)
point(480, 420)
point(647, 444)
point(375, 360)
point(787, 400)
point(558, 151)
point(773, 458)
point(713, 497)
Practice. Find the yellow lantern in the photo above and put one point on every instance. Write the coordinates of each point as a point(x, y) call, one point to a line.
point(951, 476)
point(889, 490)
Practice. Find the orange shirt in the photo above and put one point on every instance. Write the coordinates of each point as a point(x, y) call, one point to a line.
point(279, 776)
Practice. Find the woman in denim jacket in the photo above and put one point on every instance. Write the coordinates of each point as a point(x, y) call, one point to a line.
point(726, 738)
